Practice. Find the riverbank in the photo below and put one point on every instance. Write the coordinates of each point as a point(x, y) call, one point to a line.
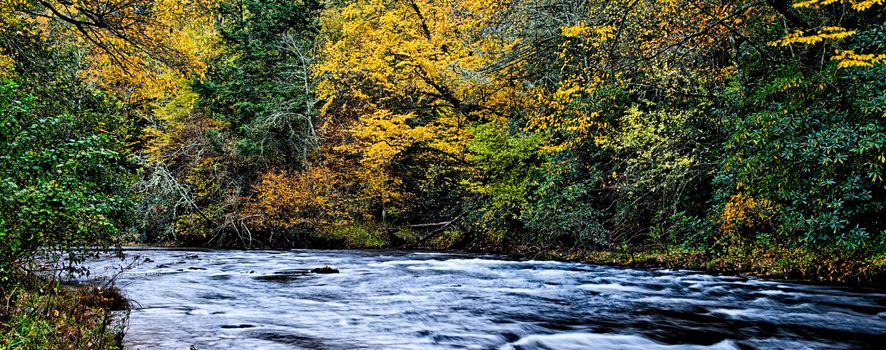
point(46, 315)
point(861, 268)
point(864, 269)
point(829, 268)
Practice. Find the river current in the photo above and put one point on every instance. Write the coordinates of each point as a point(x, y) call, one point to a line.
point(228, 299)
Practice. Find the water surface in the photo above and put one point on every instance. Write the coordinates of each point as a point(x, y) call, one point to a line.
point(414, 300)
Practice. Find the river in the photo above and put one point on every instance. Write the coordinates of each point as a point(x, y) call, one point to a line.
point(230, 299)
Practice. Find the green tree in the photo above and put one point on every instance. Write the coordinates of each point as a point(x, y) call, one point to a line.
point(260, 82)
point(63, 179)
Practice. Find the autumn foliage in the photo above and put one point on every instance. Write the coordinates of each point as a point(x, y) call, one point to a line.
point(693, 127)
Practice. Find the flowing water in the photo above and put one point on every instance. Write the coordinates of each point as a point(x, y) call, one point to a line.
point(212, 299)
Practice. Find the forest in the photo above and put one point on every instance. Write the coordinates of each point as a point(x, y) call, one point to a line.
point(730, 135)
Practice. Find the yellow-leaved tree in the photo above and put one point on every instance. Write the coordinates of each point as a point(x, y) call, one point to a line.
point(407, 78)
point(142, 49)
point(607, 50)
point(833, 32)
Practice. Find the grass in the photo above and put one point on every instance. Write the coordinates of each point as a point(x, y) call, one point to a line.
point(46, 315)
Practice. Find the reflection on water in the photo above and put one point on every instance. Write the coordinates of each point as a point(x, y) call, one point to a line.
point(412, 300)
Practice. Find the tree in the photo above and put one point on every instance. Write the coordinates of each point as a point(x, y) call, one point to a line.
point(216, 141)
point(64, 178)
point(407, 80)
point(260, 83)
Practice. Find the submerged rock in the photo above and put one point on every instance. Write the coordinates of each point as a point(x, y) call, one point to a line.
point(238, 326)
point(283, 276)
point(290, 275)
point(324, 269)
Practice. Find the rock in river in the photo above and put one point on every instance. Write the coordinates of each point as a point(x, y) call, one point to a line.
point(324, 269)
